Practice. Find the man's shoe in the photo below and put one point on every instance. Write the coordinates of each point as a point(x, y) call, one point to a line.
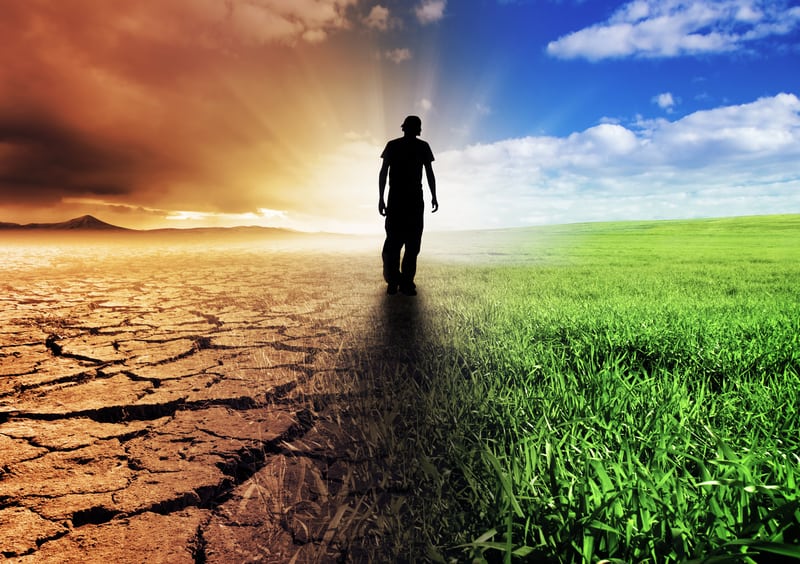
point(391, 289)
point(408, 291)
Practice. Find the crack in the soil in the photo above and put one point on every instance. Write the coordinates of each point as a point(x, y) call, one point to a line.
point(237, 468)
point(93, 516)
point(210, 318)
point(149, 412)
point(198, 546)
point(39, 543)
point(58, 351)
point(72, 378)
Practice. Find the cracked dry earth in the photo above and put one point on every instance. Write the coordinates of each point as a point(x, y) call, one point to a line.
point(175, 405)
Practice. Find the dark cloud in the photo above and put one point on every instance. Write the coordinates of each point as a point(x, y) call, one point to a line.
point(45, 161)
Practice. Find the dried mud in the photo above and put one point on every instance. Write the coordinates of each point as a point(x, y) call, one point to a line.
point(182, 404)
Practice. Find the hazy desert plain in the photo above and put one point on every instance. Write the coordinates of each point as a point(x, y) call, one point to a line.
point(172, 398)
point(567, 393)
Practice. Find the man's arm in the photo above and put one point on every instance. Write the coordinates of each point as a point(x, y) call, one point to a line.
point(382, 186)
point(432, 185)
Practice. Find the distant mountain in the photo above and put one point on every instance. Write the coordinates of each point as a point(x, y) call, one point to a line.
point(83, 223)
point(88, 223)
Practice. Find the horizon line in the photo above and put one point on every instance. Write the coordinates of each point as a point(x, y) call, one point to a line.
point(96, 224)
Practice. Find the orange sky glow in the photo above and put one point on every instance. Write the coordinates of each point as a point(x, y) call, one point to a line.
point(193, 113)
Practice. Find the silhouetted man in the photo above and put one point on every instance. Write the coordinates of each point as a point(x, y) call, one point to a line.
point(403, 161)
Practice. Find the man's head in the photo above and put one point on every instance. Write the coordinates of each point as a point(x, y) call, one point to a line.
point(412, 125)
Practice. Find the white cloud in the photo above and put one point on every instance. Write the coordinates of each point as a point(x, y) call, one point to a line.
point(379, 18)
point(732, 160)
point(670, 28)
point(315, 35)
point(264, 21)
point(764, 129)
point(430, 11)
point(665, 101)
point(398, 55)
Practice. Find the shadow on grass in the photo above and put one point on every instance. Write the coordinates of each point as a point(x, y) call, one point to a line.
point(401, 373)
point(403, 328)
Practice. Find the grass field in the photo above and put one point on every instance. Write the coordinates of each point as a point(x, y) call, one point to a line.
point(620, 391)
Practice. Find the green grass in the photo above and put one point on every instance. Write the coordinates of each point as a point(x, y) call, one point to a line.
point(623, 391)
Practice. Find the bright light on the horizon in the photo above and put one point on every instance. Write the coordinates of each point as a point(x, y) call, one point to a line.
point(262, 217)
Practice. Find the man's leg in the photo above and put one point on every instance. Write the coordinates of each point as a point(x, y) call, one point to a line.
point(413, 242)
point(391, 254)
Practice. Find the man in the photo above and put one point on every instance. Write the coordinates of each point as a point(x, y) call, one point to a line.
point(403, 161)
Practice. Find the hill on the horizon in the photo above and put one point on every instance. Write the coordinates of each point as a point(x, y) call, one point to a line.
point(85, 222)
point(92, 224)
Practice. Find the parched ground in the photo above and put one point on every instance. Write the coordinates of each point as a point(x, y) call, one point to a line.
point(185, 404)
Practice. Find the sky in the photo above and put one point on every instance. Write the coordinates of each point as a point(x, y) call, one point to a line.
point(190, 113)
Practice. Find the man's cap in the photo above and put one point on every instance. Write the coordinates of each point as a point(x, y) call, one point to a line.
point(412, 120)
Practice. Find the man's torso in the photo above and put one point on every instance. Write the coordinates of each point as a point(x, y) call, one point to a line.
point(407, 158)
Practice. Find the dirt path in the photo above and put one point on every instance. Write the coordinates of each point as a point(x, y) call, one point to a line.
point(180, 406)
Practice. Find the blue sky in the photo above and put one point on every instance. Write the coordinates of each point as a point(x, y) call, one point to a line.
point(515, 58)
point(585, 111)
point(558, 92)
point(193, 113)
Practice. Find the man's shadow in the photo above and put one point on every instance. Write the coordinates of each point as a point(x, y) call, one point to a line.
point(404, 334)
